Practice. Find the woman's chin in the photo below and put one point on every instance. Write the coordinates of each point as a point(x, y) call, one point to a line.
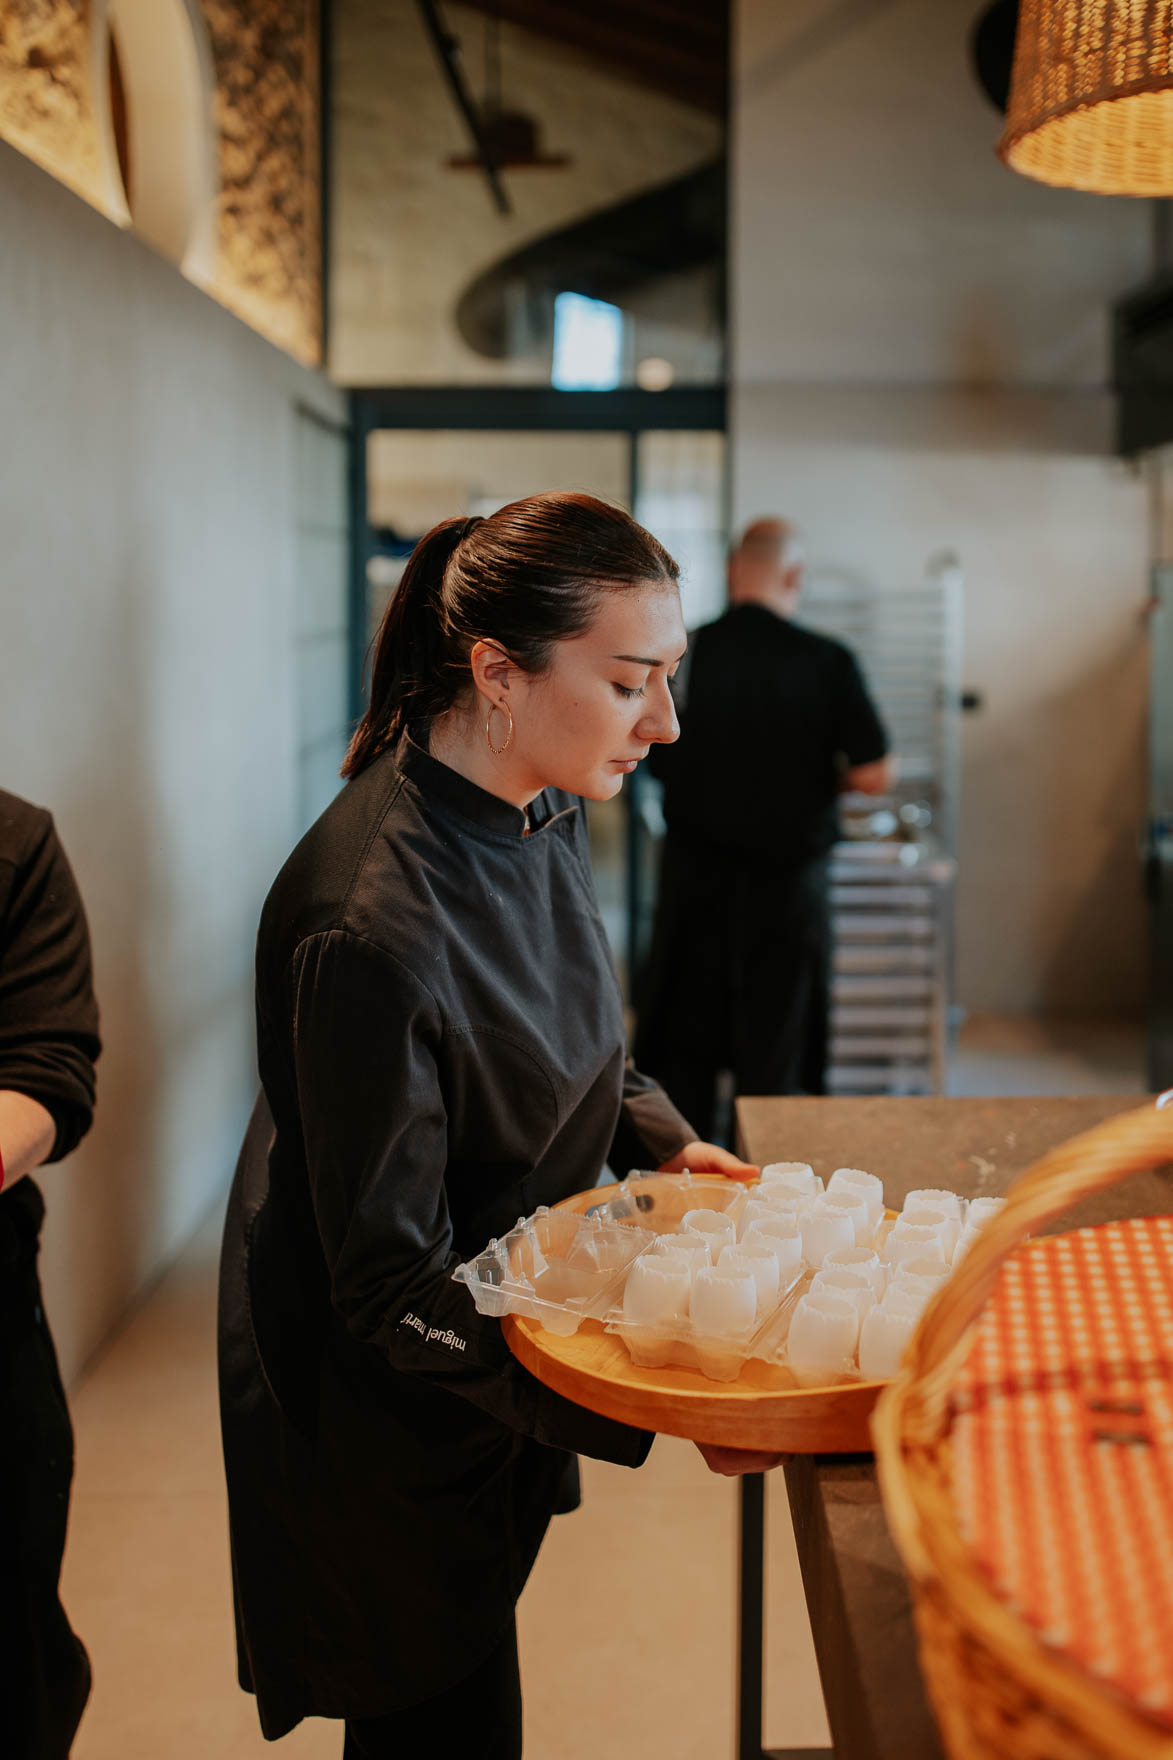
point(600, 787)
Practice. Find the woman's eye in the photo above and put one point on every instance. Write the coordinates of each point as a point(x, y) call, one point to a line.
point(625, 692)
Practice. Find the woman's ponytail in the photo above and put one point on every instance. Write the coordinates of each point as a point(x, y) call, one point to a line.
point(411, 655)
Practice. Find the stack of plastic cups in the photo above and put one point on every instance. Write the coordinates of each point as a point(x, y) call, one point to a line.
point(820, 1344)
point(795, 1176)
point(825, 1229)
point(760, 1260)
point(850, 1286)
point(864, 1260)
point(855, 1206)
point(917, 1240)
point(783, 1236)
point(864, 1185)
point(717, 1227)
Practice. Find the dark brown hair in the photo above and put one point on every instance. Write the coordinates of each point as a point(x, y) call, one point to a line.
point(526, 577)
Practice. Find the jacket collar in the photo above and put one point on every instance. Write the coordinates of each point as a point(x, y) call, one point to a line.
point(447, 789)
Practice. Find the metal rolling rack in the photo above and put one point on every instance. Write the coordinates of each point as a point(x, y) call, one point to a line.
point(892, 891)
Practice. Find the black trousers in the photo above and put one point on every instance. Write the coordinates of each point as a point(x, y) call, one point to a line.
point(478, 1718)
point(738, 978)
point(44, 1669)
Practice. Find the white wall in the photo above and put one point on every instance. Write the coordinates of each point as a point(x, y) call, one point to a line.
point(147, 612)
point(920, 359)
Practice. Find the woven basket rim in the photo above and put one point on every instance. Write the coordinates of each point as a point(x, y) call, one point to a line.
point(913, 1420)
point(1081, 1697)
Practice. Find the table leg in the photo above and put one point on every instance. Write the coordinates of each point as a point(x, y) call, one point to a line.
point(751, 1601)
point(750, 1615)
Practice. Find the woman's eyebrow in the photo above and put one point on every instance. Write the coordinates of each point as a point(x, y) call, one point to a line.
point(642, 659)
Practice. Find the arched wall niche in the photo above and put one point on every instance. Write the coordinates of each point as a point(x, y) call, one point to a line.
point(153, 69)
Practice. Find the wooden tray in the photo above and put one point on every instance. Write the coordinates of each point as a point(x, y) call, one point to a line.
point(763, 1408)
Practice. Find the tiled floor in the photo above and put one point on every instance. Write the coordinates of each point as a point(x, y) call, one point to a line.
point(627, 1627)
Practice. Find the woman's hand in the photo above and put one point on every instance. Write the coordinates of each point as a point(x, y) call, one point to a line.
point(733, 1462)
point(710, 1158)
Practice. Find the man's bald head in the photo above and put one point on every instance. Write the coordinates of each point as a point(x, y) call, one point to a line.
point(765, 567)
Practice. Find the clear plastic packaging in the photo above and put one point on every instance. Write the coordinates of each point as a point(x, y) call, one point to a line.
point(695, 1274)
point(556, 1267)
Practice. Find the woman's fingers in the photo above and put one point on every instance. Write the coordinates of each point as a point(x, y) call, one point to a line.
point(710, 1158)
point(733, 1462)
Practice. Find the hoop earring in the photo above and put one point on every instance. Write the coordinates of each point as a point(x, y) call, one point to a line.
point(499, 751)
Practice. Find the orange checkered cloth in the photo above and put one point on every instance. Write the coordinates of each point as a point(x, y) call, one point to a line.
point(1062, 1439)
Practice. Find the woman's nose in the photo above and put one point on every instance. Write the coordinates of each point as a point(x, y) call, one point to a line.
point(660, 725)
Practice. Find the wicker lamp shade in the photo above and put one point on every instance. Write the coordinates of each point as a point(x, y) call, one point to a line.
point(1091, 96)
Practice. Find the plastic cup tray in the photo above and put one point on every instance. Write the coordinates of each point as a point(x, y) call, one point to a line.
point(711, 1309)
point(556, 1267)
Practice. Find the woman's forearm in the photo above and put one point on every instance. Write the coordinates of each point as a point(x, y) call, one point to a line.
point(27, 1134)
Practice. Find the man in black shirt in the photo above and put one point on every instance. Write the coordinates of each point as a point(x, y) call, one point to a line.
point(776, 723)
point(48, 1045)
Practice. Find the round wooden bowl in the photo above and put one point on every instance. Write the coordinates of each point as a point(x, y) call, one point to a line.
point(762, 1409)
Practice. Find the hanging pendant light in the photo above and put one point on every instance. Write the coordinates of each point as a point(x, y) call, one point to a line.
point(1091, 96)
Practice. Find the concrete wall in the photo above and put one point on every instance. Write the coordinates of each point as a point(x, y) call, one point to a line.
point(147, 628)
point(222, 125)
point(920, 359)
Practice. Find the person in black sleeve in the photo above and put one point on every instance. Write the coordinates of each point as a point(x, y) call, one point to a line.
point(776, 723)
point(48, 1047)
point(441, 1050)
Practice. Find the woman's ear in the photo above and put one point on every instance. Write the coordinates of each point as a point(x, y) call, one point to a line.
point(492, 669)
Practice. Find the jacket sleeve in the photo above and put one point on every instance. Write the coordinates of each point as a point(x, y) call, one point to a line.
point(368, 1048)
point(860, 734)
point(48, 1016)
point(650, 1130)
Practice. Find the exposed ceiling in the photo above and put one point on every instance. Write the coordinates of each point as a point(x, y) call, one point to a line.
point(676, 46)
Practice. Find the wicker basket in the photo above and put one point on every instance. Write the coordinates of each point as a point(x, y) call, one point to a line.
point(998, 1690)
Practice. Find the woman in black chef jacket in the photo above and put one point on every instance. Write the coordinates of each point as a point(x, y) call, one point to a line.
point(441, 1050)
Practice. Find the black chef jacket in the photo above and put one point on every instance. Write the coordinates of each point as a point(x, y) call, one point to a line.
point(48, 1044)
point(441, 1050)
point(738, 972)
point(48, 1016)
point(771, 709)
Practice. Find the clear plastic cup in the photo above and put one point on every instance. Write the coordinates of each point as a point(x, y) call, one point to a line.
point(724, 1301)
point(910, 1240)
point(866, 1185)
point(717, 1226)
point(982, 1210)
point(799, 1176)
point(851, 1286)
point(780, 1197)
point(825, 1230)
point(902, 1300)
point(657, 1291)
point(883, 1340)
point(760, 1259)
point(861, 1259)
point(969, 1236)
point(922, 1277)
point(693, 1248)
point(783, 1236)
point(948, 1226)
point(935, 1198)
point(820, 1344)
point(758, 1210)
point(855, 1205)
